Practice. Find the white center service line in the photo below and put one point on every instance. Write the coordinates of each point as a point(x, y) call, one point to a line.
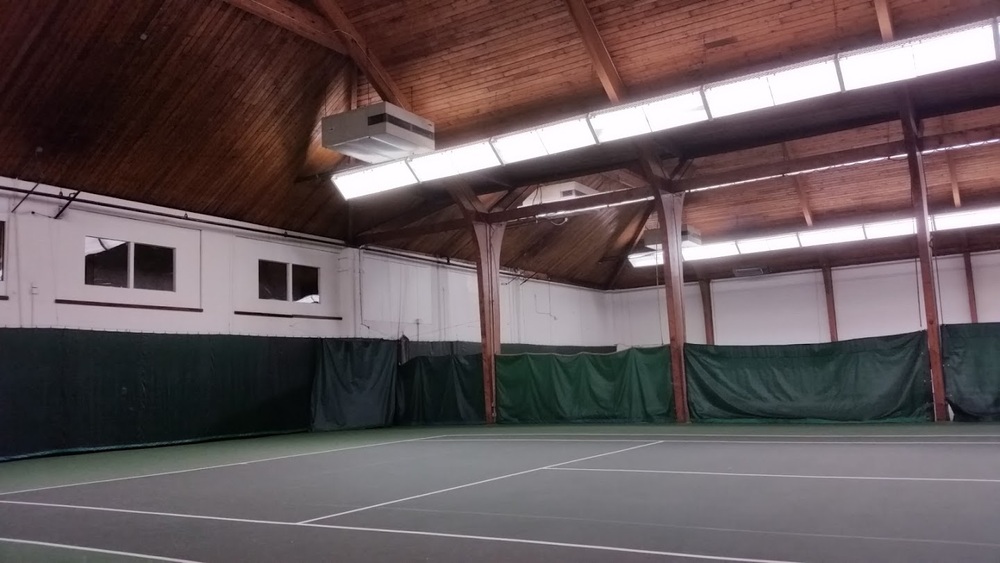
point(96, 550)
point(234, 464)
point(449, 489)
point(776, 475)
point(675, 554)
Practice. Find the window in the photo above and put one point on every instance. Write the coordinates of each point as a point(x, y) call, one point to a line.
point(274, 279)
point(2, 246)
point(118, 263)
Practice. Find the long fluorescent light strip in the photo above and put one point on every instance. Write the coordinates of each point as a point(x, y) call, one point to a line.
point(816, 237)
point(928, 54)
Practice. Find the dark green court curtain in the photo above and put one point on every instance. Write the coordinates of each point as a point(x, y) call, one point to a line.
point(355, 385)
point(629, 386)
point(441, 390)
point(971, 354)
point(416, 349)
point(869, 379)
point(75, 390)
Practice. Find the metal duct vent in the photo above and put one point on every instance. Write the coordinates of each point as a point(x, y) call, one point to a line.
point(378, 133)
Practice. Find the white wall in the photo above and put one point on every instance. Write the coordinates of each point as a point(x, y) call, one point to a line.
point(986, 274)
point(377, 295)
point(778, 309)
point(639, 316)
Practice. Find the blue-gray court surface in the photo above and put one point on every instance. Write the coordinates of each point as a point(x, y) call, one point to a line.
point(581, 493)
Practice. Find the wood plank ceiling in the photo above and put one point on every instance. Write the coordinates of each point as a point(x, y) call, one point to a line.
point(203, 106)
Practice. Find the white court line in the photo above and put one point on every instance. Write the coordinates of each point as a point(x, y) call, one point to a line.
point(712, 435)
point(416, 533)
point(540, 440)
point(234, 464)
point(449, 489)
point(668, 441)
point(96, 550)
point(724, 474)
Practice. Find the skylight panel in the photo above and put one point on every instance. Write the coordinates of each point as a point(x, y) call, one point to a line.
point(675, 111)
point(707, 251)
point(953, 50)
point(619, 123)
point(565, 136)
point(374, 179)
point(877, 66)
point(645, 259)
point(519, 146)
point(767, 244)
point(832, 236)
point(966, 219)
point(737, 97)
point(804, 82)
point(460, 160)
point(886, 229)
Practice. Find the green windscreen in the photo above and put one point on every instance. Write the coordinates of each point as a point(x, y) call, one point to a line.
point(971, 355)
point(441, 390)
point(870, 379)
point(629, 386)
point(355, 384)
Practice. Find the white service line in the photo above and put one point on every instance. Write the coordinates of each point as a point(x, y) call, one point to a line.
point(484, 481)
point(790, 476)
point(248, 462)
point(96, 550)
point(668, 441)
point(713, 435)
point(414, 532)
point(591, 440)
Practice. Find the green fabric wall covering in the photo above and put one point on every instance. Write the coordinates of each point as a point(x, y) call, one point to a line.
point(355, 385)
point(441, 390)
point(74, 390)
point(972, 370)
point(629, 386)
point(415, 349)
point(870, 379)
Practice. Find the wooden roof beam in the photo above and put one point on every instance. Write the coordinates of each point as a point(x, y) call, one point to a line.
point(361, 54)
point(605, 68)
point(956, 195)
point(300, 21)
point(800, 189)
point(884, 20)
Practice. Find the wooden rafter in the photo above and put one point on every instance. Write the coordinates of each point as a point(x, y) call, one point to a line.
point(800, 189)
point(884, 20)
point(300, 21)
point(956, 195)
point(634, 229)
point(605, 68)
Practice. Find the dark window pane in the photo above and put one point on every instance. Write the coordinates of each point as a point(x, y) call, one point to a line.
point(305, 284)
point(106, 262)
point(2, 246)
point(272, 280)
point(154, 267)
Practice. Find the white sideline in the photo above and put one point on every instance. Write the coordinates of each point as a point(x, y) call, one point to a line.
point(669, 441)
point(449, 489)
point(679, 555)
point(790, 476)
point(248, 462)
point(713, 435)
point(96, 550)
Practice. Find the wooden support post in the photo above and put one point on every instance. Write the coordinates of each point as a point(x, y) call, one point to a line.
point(970, 286)
point(668, 209)
point(706, 307)
point(918, 194)
point(488, 238)
point(831, 306)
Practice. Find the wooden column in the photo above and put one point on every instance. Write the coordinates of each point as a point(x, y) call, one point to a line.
point(706, 308)
point(831, 306)
point(668, 209)
point(918, 194)
point(970, 286)
point(488, 238)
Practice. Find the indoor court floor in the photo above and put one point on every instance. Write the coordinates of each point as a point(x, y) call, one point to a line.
point(749, 493)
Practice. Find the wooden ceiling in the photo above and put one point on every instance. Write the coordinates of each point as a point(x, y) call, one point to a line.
point(213, 106)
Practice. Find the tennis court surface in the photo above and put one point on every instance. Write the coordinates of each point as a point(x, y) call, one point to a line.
point(581, 493)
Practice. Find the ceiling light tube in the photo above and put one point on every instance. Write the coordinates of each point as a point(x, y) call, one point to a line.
point(375, 179)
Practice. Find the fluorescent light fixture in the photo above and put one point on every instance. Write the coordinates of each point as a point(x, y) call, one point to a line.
point(886, 229)
point(674, 111)
point(565, 136)
point(645, 259)
point(731, 98)
point(619, 123)
point(832, 236)
point(766, 244)
point(374, 179)
point(947, 51)
point(877, 66)
point(452, 162)
point(519, 146)
point(803, 82)
point(707, 251)
point(965, 219)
